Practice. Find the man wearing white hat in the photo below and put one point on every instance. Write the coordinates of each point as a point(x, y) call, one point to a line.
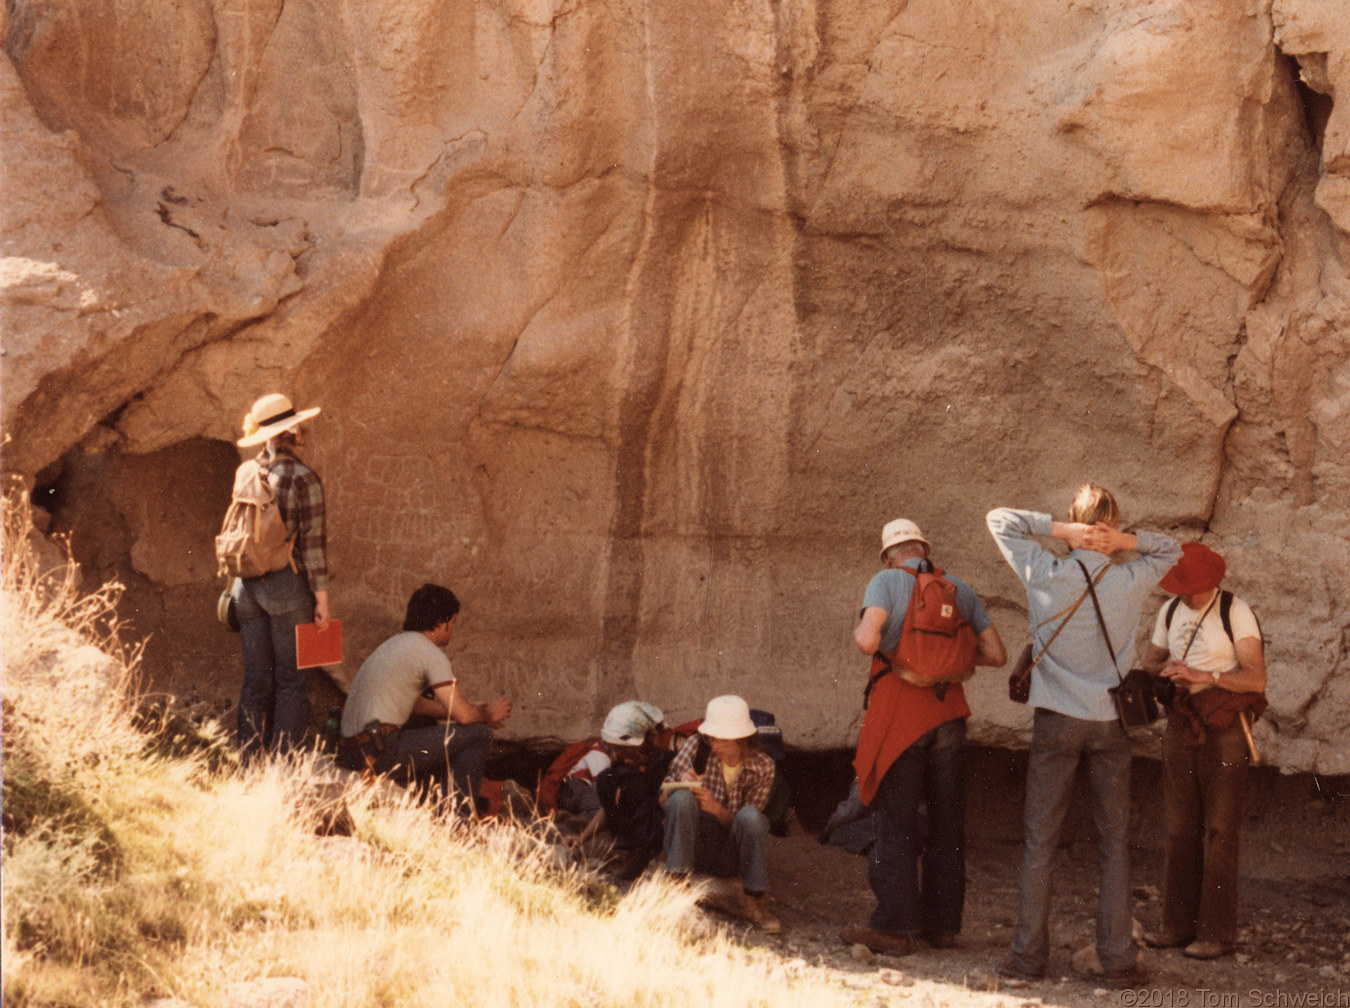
point(274, 712)
point(912, 743)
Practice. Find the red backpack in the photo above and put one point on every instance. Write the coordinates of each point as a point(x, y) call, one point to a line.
point(937, 643)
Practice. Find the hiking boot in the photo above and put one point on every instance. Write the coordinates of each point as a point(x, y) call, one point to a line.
point(756, 911)
point(878, 941)
point(941, 939)
point(1206, 950)
point(1165, 939)
point(1009, 970)
point(1126, 979)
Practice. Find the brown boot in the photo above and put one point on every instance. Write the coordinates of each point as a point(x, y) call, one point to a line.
point(756, 911)
point(878, 941)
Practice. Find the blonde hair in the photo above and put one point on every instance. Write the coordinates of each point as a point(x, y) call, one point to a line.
point(1095, 504)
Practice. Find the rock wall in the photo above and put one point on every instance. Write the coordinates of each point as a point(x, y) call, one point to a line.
point(634, 321)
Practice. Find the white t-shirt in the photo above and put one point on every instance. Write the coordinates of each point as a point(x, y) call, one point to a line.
point(390, 680)
point(1211, 651)
point(595, 763)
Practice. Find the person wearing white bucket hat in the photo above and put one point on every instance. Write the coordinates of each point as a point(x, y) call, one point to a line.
point(715, 793)
point(274, 711)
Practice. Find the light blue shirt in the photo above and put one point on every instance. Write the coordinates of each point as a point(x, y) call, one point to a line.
point(1074, 675)
point(890, 589)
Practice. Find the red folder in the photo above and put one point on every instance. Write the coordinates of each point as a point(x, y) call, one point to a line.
point(315, 647)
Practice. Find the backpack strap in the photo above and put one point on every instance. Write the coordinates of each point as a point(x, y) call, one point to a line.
point(1171, 611)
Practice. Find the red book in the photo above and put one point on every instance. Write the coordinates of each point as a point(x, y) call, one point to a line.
point(315, 647)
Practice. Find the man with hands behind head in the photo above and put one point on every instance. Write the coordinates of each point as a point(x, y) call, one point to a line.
point(1075, 720)
point(409, 674)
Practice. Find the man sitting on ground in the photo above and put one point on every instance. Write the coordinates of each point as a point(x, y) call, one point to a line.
point(408, 675)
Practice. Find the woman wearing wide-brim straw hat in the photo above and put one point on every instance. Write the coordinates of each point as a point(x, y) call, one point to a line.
point(274, 710)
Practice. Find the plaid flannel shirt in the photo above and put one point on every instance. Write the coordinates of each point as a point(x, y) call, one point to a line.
point(752, 786)
point(300, 497)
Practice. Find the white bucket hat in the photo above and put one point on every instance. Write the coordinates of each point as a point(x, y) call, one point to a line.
point(899, 531)
point(271, 415)
point(727, 717)
point(629, 722)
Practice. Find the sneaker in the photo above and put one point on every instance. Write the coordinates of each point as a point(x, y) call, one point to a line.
point(878, 941)
point(1126, 979)
point(1165, 939)
point(755, 910)
point(1009, 970)
point(1206, 950)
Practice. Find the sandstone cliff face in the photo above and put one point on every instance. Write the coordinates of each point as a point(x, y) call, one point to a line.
point(634, 322)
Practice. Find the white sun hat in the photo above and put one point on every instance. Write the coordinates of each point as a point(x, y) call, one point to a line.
point(899, 531)
point(628, 723)
point(727, 717)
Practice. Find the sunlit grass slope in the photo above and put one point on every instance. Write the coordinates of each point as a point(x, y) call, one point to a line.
point(141, 862)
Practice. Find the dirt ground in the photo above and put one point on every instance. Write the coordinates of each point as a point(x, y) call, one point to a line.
point(1294, 944)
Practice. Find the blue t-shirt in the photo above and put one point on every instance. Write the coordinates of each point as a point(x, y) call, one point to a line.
point(890, 589)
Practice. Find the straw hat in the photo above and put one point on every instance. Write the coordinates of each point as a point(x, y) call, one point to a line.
point(899, 531)
point(1198, 570)
point(269, 416)
point(727, 717)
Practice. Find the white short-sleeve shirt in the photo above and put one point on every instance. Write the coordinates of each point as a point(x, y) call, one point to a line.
point(1211, 650)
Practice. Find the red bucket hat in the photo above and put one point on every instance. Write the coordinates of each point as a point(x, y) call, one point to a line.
point(1198, 570)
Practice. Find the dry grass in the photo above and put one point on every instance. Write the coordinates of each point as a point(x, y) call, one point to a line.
point(135, 869)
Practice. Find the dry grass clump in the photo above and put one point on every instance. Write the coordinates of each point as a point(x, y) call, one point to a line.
point(137, 869)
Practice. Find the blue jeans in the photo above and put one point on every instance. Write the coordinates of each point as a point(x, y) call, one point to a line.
point(932, 900)
point(437, 756)
point(695, 840)
point(1059, 744)
point(274, 713)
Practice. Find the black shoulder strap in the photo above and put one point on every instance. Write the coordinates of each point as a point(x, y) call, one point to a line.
point(1171, 611)
point(1101, 622)
point(1226, 613)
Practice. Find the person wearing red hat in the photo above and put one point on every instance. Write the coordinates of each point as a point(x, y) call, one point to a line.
point(1208, 642)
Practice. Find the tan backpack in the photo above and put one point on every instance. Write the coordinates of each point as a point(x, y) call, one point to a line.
point(253, 538)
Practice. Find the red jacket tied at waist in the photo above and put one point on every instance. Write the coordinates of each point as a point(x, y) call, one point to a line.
point(897, 715)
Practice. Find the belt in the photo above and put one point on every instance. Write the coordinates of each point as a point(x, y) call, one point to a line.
point(369, 735)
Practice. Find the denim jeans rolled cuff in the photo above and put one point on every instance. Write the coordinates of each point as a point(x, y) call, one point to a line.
point(274, 709)
point(919, 882)
point(1059, 744)
point(696, 841)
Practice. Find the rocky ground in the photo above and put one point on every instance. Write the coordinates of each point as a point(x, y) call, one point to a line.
point(1294, 943)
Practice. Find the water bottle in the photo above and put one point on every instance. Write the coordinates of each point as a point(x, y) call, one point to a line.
point(332, 728)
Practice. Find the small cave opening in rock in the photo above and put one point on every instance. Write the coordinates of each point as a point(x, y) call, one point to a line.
point(1316, 104)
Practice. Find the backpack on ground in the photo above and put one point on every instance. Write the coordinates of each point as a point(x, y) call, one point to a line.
point(937, 643)
point(550, 783)
point(253, 538)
